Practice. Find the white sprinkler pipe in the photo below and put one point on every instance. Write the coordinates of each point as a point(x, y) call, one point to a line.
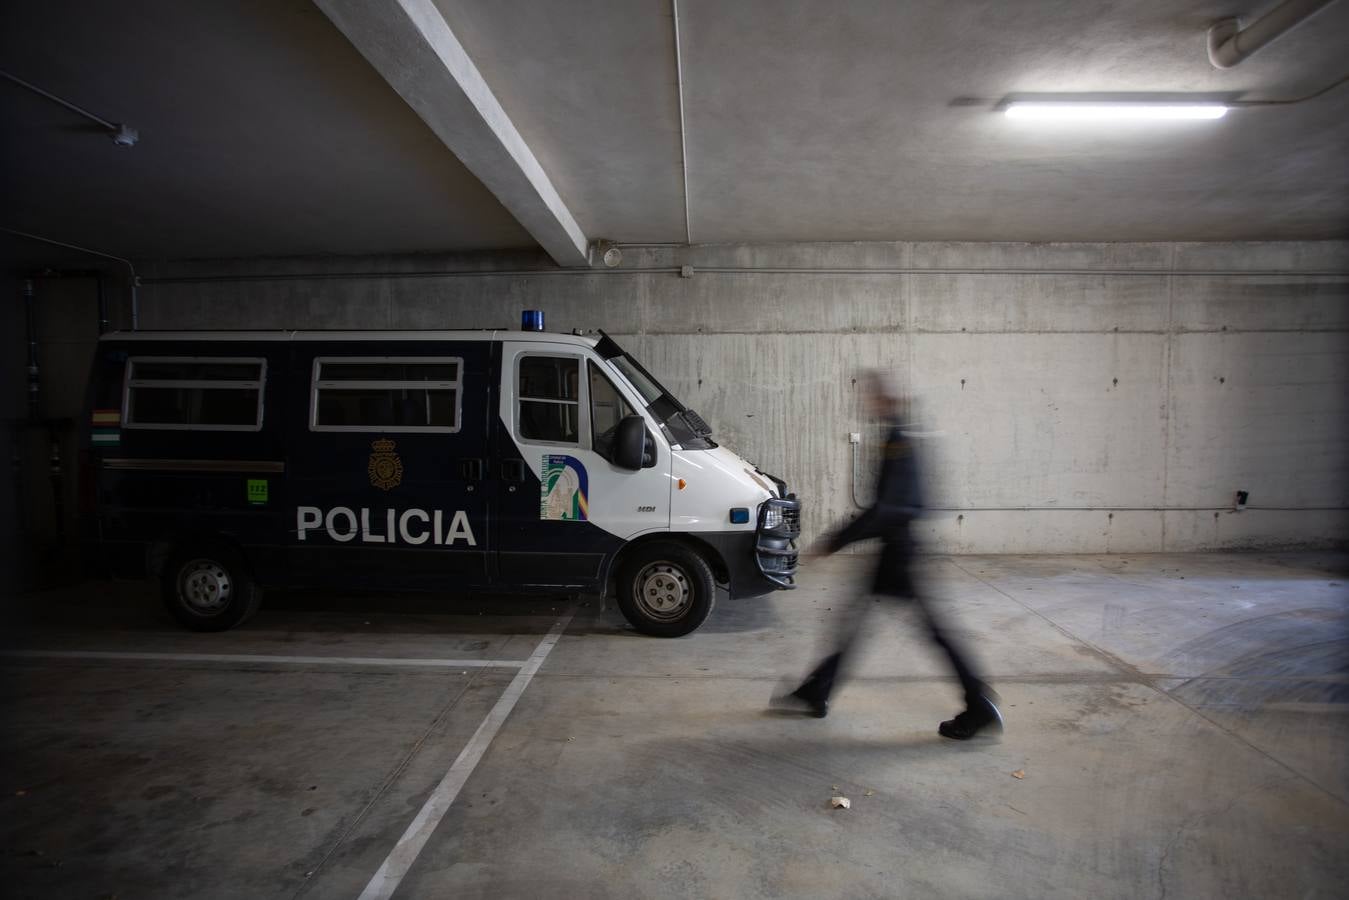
point(1230, 44)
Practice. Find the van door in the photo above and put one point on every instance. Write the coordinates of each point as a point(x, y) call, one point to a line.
point(562, 507)
point(388, 463)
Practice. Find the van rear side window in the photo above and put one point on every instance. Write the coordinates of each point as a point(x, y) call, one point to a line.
point(386, 394)
point(193, 393)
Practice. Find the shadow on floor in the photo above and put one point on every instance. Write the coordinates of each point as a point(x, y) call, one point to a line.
point(136, 606)
point(729, 616)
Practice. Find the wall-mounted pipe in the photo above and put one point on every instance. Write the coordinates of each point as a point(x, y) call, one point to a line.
point(30, 316)
point(135, 279)
point(1152, 272)
point(102, 304)
point(1230, 44)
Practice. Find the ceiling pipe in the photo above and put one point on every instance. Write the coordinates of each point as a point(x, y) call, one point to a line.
point(122, 135)
point(1230, 44)
point(683, 129)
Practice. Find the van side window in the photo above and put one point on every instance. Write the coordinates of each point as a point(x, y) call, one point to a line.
point(193, 393)
point(607, 409)
point(386, 394)
point(549, 399)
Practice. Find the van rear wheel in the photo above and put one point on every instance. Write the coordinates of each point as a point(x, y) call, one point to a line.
point(665, 589)
point(207, 588)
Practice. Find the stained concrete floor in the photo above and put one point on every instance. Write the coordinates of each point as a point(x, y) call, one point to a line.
point(1180, 721)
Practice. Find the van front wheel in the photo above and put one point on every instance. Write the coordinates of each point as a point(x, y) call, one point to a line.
point(665, 589)
point(208, 588)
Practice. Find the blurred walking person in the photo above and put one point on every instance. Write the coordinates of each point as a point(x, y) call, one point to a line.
point(898, 503)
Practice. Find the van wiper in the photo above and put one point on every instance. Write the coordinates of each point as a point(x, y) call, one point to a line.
point(697, 423)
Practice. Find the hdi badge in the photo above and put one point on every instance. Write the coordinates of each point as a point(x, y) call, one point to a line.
point(386, 469)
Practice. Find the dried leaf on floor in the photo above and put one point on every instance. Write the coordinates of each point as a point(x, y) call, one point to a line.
point(1019, 773)
point(840, 802)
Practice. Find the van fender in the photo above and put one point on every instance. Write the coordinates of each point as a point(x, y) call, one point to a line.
point(158, 551)
point(720, 570)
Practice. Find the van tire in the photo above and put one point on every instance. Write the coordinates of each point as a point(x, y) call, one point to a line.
point(195, 580)
point(665, 589)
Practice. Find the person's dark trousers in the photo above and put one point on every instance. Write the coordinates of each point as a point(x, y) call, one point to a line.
point(893, 582)
point(974, 688)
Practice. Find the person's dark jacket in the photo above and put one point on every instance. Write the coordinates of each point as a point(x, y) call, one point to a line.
point(898, 498)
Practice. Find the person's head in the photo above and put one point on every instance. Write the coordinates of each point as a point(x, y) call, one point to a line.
point(883, 397)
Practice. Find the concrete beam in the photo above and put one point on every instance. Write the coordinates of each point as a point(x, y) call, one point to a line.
point(412, 46)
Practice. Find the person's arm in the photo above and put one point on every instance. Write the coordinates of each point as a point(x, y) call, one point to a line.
point(859, 529)
point(898, 500)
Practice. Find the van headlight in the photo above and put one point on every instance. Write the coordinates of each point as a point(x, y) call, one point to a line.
point(772, 517)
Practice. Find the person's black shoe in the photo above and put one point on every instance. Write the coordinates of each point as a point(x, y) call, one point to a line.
point(983, 716)
point(804, 702)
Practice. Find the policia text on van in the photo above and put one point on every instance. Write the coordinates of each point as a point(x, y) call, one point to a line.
point(226, 462)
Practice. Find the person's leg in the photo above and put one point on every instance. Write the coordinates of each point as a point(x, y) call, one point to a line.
point(891, 571)
point(980, 711)
point(816, 689)
point(970, 684)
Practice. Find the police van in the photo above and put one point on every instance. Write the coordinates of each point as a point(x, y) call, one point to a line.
point(227, 462)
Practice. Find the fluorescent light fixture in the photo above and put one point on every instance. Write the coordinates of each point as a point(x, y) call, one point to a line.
point(1077, 111)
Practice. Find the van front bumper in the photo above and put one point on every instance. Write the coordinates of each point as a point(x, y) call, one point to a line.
point(775, 553)
point(761, 561)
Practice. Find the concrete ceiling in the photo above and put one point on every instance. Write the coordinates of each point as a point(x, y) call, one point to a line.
point(262, 133)
point(266, 132)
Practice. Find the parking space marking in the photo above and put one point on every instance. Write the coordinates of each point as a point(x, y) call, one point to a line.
point(400, 859)
point(413, 662)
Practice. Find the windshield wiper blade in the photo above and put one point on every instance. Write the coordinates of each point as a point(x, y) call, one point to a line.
point(697, 423)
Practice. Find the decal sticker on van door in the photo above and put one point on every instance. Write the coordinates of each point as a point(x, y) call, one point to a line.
point(563, 488)
point(107, 424)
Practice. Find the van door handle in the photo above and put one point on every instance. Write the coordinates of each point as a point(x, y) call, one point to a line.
point(513, 470)
point(470, 469)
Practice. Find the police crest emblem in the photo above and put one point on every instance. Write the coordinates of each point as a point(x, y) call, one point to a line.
point(386, 469)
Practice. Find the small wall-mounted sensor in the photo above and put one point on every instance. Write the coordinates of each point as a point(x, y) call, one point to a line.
point(1241, 499)
point(854, 437)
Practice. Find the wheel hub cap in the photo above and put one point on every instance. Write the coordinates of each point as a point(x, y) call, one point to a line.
point(664, 591)
point(204, 586)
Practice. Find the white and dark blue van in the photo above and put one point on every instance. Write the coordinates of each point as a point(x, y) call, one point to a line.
point(227, 462)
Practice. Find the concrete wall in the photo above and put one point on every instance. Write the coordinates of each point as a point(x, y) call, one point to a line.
point(38, 502)
point(1085, 397)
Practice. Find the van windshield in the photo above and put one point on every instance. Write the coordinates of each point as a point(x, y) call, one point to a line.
point(682, 425)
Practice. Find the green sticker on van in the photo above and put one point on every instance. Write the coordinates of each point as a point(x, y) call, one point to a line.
point(257, 491)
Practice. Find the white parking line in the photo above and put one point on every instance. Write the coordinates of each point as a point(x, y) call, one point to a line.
point(409, 846)
point(260, 658)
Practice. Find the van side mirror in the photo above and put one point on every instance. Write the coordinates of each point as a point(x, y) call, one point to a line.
point(631, 446)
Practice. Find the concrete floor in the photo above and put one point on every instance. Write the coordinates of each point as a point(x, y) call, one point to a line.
point(1180, 721)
